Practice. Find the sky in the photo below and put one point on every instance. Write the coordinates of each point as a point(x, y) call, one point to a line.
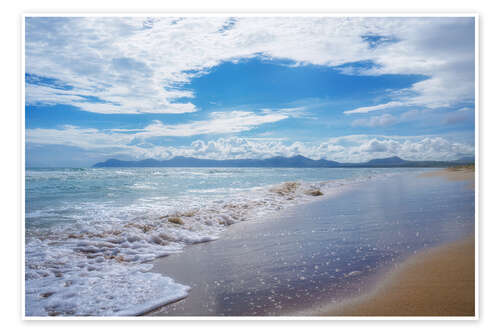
point(347, 89)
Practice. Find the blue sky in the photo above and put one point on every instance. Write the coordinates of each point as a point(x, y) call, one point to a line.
point(345, 89)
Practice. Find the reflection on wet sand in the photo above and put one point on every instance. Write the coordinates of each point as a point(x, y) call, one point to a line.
point(327, 250)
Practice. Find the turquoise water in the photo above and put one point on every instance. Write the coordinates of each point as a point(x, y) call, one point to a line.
point(91, 234)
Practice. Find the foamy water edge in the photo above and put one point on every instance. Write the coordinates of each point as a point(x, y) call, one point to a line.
point(97, 267)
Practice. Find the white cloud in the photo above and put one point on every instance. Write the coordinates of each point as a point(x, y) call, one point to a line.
point(138, 64)
point(85, 138)
point(411, 115)
point(463, 115)
point(354, 148)
point(219, 123)
point(443, 50)
point(295, 112)
point(364, 147)
point(107, 108)
point(376, 121)
point(91, 138)
point(378, 107)
point(36, 94)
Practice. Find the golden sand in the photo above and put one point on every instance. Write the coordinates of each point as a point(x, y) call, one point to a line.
point(435, 282)
point(454, 174)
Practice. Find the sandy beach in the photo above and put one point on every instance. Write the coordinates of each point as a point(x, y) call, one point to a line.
point(435, 282)
point(351, 251)
point(465, 173)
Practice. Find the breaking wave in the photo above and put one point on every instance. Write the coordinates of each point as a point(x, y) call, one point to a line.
point(92, 257)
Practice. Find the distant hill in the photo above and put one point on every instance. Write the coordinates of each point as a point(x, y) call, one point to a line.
point(467, 159)
point(297, 161)
point(394, 160)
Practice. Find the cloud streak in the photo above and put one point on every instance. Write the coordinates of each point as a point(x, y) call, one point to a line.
point(378, 107)
point(219, 123)
point(376, 121)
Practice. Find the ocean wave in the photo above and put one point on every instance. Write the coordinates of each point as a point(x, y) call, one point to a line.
point(98, 265)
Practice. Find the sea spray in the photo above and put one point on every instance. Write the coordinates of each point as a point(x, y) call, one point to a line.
point(91, 234)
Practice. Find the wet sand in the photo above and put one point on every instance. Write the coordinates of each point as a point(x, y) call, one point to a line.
point(454, 174)
point(320, 253)
point(435, 282)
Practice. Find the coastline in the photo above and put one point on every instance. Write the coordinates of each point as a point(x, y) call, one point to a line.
point(276, 279)
point(454, 174)
point(434, 282)
point(439, 281)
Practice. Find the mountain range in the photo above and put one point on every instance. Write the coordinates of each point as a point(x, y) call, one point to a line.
point(297, 161)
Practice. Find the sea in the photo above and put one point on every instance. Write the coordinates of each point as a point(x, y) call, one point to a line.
point(92, 234)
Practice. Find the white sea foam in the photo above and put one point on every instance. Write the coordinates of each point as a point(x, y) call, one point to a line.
point(103, 288)
point(98, 264)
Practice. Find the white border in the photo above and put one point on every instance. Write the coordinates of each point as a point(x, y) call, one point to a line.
point(22, 180)
point(266, 13)
point(256, 13)
point(477, 165)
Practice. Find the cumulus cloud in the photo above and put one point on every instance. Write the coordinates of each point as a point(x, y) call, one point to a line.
point(138, 65)
point(376, 146)
point(364, 147)
point(354, 148)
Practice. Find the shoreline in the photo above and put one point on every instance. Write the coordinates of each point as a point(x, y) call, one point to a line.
point(454, 174)
point(439, 281)
point(223, 286)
